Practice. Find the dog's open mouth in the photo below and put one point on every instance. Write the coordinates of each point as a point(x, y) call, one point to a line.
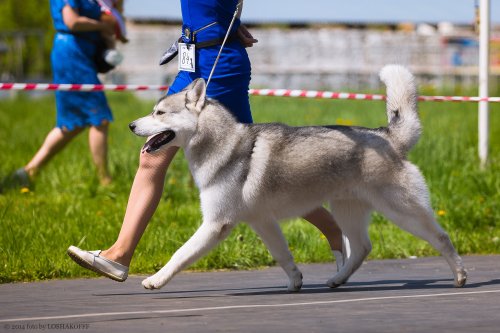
point(157, 141)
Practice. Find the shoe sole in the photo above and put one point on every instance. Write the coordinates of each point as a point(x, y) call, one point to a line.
point(86, 265)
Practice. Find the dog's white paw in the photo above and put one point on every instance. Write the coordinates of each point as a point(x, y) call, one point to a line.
point(153, 282)
point(295, 283)
point(332, 283)
point(335, 282)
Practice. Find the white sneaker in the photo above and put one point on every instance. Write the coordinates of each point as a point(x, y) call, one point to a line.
point(91, 260)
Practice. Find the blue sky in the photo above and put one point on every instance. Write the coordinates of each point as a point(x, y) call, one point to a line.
point(331, 11)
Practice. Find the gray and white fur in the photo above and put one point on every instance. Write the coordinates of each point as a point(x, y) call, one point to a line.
point(264, 173)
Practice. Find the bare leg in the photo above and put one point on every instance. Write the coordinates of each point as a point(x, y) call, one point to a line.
point(323, 220)
point(144, 198)
point(98, 143)
point(55, 141)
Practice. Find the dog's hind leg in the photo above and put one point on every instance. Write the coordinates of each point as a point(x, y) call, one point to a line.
point(352, 216)
point(205, 238)
point(271, 235)
point(411, 211)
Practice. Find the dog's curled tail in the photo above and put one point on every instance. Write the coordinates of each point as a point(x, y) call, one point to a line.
point(404, 123)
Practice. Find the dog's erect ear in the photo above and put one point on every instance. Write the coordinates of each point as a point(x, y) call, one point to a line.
point(197, 93)
point(190, 86)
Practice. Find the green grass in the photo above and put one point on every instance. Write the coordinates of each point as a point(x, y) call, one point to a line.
point(67, 206)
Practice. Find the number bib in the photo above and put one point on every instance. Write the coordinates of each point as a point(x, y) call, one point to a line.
point(187, 57)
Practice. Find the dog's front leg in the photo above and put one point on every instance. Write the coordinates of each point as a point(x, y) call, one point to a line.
point(203, 240)
point(273, 238)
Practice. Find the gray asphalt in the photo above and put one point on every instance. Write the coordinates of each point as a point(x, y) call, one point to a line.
point(414, 295)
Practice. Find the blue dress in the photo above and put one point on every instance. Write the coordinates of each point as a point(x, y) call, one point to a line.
point(209, 20)
point(72, 62)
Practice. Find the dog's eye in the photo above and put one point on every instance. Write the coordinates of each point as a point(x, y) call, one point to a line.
point(159, 113)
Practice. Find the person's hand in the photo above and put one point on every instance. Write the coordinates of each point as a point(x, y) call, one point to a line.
point(245, 36)
point(111, 27)
point(108, 26)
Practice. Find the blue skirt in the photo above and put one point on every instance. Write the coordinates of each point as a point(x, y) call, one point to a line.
point(72, 63)
point(229, 83)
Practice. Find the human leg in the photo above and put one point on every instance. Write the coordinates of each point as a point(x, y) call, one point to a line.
point(324, 221)
point(143, 200)
point(55, 141)
point(98, 144)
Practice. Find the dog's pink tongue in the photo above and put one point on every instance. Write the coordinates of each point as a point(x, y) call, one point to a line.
point(147, 148)
point(157, 141)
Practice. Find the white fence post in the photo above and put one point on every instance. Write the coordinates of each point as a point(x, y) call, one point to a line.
point(484, 71)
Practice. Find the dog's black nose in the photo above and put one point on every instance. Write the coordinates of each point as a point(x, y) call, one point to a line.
point(131, 126)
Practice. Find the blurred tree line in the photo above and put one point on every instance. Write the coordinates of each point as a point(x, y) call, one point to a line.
point(26, 34)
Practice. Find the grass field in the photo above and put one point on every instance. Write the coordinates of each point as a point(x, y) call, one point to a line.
point(67, 206)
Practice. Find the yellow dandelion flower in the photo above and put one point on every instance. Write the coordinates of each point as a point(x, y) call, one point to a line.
point(441, 212)
point(345, 122)
point(25, 190)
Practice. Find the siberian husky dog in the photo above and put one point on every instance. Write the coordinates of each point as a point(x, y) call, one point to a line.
point(263, 173)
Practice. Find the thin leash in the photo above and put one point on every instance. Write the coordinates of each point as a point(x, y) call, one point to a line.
point(224, 42)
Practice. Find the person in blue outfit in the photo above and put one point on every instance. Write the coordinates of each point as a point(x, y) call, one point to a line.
point(78, 27)
point(205, 23)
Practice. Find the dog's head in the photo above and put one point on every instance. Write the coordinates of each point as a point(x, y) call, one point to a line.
point(173, 120)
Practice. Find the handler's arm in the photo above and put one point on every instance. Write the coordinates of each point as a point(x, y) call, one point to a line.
point(77, 23)
point(244, 35)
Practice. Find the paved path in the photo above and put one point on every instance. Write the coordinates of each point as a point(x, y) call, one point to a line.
point(383, 296)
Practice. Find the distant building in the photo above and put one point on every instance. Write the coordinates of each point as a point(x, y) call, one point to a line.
point(325, 56)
